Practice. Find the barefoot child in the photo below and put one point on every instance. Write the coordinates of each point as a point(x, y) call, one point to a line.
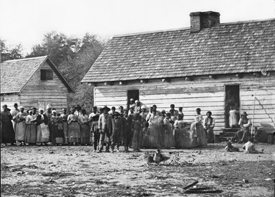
point(230, 148)
point(249, 147)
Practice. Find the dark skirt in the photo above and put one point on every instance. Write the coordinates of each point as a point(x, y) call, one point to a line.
point(30, 133)
point(8, 135)
point(85, 134)
point(73, 132)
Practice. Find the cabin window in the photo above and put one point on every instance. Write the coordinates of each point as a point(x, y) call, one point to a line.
point(46, 75)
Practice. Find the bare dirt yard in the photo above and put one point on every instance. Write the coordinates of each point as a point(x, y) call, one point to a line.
point(77, 171)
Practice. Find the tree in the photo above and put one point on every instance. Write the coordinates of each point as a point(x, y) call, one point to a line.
point(74, 57)
point(14, 52)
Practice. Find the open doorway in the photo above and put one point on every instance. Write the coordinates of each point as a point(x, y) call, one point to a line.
point(232, 99)
point(134, 94)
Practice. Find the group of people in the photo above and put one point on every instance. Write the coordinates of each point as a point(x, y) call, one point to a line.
point(135, 127)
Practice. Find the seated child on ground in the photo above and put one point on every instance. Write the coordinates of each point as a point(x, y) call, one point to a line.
point(230, 148)
point(249, 147)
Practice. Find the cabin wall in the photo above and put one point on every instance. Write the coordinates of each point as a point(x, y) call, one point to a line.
point(9, 100)
point(203, 92)
point(37, 93)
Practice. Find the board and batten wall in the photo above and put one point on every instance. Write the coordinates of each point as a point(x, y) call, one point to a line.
point(38, 93)
point(202, 92)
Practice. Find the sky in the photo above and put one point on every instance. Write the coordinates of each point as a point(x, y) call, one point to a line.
point(26, 21)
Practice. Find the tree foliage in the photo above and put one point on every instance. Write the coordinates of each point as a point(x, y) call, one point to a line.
point(15, 52)
point(73, 57)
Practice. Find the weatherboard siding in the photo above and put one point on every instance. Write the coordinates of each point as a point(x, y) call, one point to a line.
point(207, 94)
point(40, 93)
point(9, 100)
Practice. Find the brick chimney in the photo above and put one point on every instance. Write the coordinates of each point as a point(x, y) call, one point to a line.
point(200, 20)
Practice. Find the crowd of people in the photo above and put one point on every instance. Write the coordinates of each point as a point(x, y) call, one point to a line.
point(135, 127)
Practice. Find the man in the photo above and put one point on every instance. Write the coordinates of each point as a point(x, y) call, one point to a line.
point(243, 133)
point(174, 113)
point(209, 124)
point(113, 110)
point(105, 128)
point(94, 117)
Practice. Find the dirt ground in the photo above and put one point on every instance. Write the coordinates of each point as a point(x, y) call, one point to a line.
point(78, 171)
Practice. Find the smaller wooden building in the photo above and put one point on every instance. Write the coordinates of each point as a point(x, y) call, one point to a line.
point(33, 82)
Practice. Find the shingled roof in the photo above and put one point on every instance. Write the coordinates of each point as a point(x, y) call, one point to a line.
point(226, 48)
point(16, 73)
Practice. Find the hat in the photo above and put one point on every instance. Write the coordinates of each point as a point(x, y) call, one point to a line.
point(136, 101)
point(53, 111)
point(143, 107)
point(131, 99)
point(106, 108)
point(244, 114)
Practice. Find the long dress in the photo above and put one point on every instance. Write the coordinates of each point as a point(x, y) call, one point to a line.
point(57, 130)
point(84, 129)
point(197, 131)
point(137, 129)
point(156, 131)
point(65, 127)
point(20, 126)
point(14, 112)
point(73, 129)
point(233, 118)
point(43, 133)
point(183, 135)
point(168, 134)
point(8, 135)
point(30, 130)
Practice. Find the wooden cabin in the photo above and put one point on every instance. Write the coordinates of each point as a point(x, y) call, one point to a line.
point(210, 65)
point(33, 82)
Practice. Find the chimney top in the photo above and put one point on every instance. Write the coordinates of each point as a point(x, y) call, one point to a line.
point(200, 20)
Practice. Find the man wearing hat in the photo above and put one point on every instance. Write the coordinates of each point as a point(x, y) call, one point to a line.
point(243, 133)
point(105, 128)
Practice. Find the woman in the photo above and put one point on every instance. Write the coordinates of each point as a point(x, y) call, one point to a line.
point(84, 128)
point(7, 127)
point(30, 128)
point(57, 128)
point(20, 126)
point(209, 124)
point(43, 133)
point(168, 131)
point(155, 130)
point(73, 128)
point(64, 117)
point(197, 130)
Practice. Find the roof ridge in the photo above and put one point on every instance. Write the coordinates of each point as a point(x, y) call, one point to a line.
point(25, 59)
point(186, 28)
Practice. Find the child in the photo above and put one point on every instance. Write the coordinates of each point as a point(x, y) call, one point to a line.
point(249, 147)
point(230, 148)
point(136, 128)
